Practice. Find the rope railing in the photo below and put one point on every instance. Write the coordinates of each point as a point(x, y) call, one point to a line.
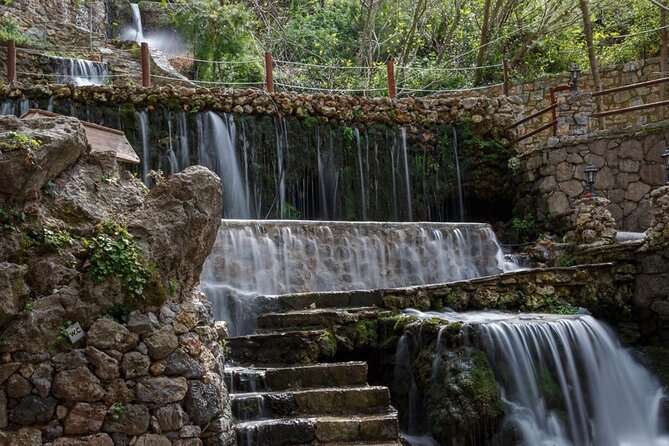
point(374, 80)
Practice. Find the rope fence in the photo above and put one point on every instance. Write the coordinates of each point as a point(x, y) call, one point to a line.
point(283, 75)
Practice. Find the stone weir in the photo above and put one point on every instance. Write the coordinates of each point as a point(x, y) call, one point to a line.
point(279, 257)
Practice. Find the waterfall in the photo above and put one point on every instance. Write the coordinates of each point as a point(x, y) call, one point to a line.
point(80, 71)
point(566, 380)
point(143, 125)
point(458, 177)
point(220, 133)
point(407, 178)
point(268, 257)
point(137, 29)
point(609, 399)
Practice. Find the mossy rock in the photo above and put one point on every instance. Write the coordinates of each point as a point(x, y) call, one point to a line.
point(462, 400)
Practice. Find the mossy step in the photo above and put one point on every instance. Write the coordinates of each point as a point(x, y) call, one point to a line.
point(365, 430)
point(323, 401)
point(290, 347)
point(329, 299)
point(241, 379)
point(319, 317)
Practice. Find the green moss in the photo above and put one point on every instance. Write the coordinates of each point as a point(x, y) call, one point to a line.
point(328, 343)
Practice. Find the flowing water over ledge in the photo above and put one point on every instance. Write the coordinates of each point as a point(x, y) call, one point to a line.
point(598, 395)
point(270, 257)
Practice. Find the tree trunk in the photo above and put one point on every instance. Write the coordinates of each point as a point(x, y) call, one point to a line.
point(587, 30)
point(480, 56)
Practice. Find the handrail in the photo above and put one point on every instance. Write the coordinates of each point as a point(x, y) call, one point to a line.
point(630, 109)
point(630, 86)
point(532, 116)
point(535, 131)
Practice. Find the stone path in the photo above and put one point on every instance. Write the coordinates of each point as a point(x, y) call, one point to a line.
point(284, 392)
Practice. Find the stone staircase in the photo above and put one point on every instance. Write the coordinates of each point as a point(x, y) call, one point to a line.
point(283, 392)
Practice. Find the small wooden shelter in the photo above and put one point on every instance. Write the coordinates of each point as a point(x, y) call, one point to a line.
point(101, 139)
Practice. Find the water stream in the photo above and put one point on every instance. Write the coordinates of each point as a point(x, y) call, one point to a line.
point(80, 71)
point(566, 380)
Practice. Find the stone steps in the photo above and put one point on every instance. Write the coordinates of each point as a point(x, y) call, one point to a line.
point(290, 347)
point(319, 317)
point(330, 299)
point(320, 401)
point(302, 377)
point(362, 429)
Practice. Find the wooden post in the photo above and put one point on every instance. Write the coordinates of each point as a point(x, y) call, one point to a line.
point(390, 68)
point(269, 76)
point(505, 63)
point(11, 61)
point(146, 65)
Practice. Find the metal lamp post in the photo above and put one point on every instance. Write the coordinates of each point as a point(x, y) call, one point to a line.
point(574, 74)
point(665, 158)
point(590, 176)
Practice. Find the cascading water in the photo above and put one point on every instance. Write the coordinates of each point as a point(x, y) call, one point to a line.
point(566, 381)
point(458, 177)
point(80, 72)
point(278, 257)
point(143, 125)
point(138, 30)
point(219, 133)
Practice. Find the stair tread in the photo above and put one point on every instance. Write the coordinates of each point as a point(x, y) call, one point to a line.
point(311, 390)
point(276, 333)
point(391, 414)
point(325, 310)
point(282, 367)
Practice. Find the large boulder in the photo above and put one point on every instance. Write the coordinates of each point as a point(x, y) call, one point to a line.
point(177, 226)
point(13, 290)
point(35, 151)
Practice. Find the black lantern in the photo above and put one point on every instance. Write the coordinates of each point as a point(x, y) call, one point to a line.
point(590, 176)
point(665, 158)
point(575, 71)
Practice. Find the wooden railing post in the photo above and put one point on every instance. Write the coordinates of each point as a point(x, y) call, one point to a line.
point(390, 68)
point(269, 76)
point(11, 61)
point(505, 63)
point(146, 65)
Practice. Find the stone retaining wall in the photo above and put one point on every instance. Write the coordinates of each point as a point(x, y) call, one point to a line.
point(630, 166)
point(59, 22)
point(487, 114)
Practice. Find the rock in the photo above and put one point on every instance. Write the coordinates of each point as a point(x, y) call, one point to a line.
point(171, 417)
point(13, 289)
point(135, 364)
point(90, 440)
point(190, 431)
point(18, 387)
point(33, 410)
point(153, 440)
point(52, 431)
point(61, 141)
point(161, 343)
point(119, 391)
point(41, 379)
point(142, 323)
point(3, 409)
point(6, 370)
point(161, 389)
point(178, 223)
point(106, 367)
point(26, 436)
point(106, 334)
point(181, 364)
point(187, 442)
point(84, 418)
point(77, 385)
point(133, 420)
point(203, 402)
point(70, 360)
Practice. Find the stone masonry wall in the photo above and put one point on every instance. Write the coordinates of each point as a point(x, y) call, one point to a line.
point(551, 177)
point(60, 22)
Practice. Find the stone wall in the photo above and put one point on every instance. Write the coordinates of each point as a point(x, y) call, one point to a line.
point(535, 95)
point(148, 368)
point(488, 115)
point(551, 177)
point(63, 23)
